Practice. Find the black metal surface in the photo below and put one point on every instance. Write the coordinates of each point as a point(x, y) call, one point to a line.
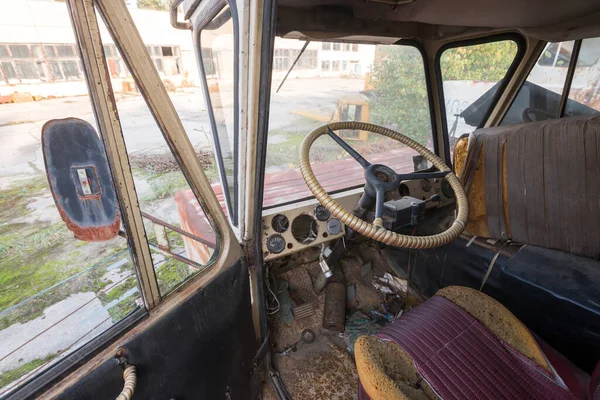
point(555, 294)
point(264, 98)
point(202, 349)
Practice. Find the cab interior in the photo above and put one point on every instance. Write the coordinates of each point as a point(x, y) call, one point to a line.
point(457, 256)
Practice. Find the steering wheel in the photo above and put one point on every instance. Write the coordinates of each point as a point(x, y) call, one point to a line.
point(379, 180)
point(545, 115)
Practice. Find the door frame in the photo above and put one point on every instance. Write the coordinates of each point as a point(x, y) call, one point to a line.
point(229, 252)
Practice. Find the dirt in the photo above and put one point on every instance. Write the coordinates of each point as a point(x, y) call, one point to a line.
point(165, 162)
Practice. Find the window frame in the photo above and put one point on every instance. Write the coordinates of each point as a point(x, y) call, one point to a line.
point(503, 83)
point(228, 249)
point(232, 208)
point(428, 84)
point(568, 78)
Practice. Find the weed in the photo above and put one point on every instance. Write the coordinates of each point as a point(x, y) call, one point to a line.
point(170, 274)
point(7, 377)
point(123, 308)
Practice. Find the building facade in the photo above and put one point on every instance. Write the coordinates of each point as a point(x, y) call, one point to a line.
point(38, 54)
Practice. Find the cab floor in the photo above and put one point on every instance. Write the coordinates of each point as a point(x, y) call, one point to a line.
point(324, 369)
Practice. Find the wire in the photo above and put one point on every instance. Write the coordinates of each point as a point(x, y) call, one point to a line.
point(271, 310)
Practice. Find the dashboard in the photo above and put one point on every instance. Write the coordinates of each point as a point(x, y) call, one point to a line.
point(294, 227)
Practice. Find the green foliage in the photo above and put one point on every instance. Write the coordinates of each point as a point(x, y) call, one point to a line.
point(14, 200)
point(123, 308)
point(160, 5)
point(400, 100)
point(166, 184)
point(170, 274)
point(9, 376)
point(118, 291)
point(483, 62)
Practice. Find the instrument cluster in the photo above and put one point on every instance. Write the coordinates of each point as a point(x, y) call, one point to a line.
point(292, 228)
point(287, 231)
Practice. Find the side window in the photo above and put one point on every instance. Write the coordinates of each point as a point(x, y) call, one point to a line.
point(539, 96)
point(471, 77)
point(584, 95)
point(381, 84)
point(219, 59)
point(57, 293)
point(181, 238)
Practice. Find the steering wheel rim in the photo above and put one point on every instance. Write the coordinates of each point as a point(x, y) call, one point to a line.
point(374, 230)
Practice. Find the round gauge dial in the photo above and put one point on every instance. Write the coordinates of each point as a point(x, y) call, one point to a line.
point(334, 226)
point(321, 213)
point(305, 229)
point(280, 223)
point(275, 243)
point(426, 185)
point(447, 189)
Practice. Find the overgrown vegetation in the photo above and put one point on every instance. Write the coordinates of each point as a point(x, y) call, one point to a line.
point(9, 376)
point(399, 99)
point(160, 5)
point(14, 199)
point(123, 308)
point(170, 274)
point(400, 92)
point(484, 62)
point(164, 175)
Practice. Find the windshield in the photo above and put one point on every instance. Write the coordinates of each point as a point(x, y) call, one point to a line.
point(380, 84)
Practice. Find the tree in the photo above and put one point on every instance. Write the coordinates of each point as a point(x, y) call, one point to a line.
point(483, 62)
point(400, 97)
point(400, 93)
point(160, 5)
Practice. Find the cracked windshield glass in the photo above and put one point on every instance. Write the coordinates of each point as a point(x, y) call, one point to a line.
point(58, 292)
point(331, 82)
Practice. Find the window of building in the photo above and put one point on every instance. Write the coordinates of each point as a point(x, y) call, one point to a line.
point(284, 58)
point(354, 47)
point(166, 59)
point(344, 65)
point(397, 98)
point(471, 77)
point(337, 46)
point(326, 46)
point(219, 37)
point(347, 46)
point(4, 51)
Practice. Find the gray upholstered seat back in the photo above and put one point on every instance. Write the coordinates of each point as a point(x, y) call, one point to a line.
point(541, 182)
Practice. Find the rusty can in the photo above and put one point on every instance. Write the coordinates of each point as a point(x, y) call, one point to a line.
point(334, 313)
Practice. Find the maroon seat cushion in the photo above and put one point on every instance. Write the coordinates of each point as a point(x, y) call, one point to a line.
point(461, 359)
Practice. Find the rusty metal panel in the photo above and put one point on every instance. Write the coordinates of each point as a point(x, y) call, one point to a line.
point(194, 221)
point(80, 179)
